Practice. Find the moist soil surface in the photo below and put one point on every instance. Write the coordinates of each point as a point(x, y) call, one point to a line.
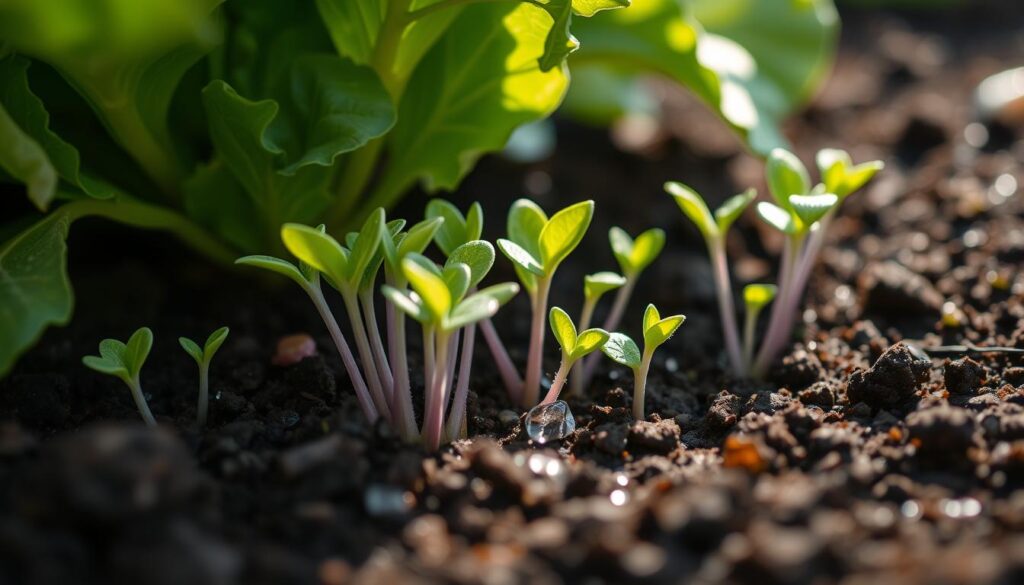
point(859, 458)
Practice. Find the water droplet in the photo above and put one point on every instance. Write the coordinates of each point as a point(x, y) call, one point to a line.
point(545, 383)
point(672, 365)
point(619, 497)
point(550, 422)
point(910, 509)
point(387, 500)
point(918, 353)
point(614, 375)
point(289, 419)
point(217, 395)
point(622, 479)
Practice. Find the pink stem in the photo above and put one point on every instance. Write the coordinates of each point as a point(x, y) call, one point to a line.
point(610, 324)
point(433, 417)
point(726, 309)
point(457, 416)
point(576, 381)
point(380, 357)
point(640, 386)
point(535, 359)
point(402, 407)
point(365, 354)
point(558, 382)
point(777, 326)
point(358, 383)
point(507, 369)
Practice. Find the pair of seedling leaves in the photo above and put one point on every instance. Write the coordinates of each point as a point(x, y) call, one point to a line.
point(125, 360)
point(797, 205)
point(633, 257)
point(656, 330)
point(537, 245)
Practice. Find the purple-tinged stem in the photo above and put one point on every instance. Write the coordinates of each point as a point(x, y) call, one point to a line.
point(401, 406)
point(777, 326)
point(576, 380)
point(433, 415)
point(640, 385)
point(622, 297)
point(458, 413)
point(559, 381)
point(726, 309)
point(358, 383)
point(365, 354)
point(509, 374)
point(453, 353)
point(535, 359)
point(749, 329)
point(380, 356)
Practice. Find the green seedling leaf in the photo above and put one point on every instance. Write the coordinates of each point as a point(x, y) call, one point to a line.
point(596, 285)
point(632, 255)
point(694, 207)
point(563, 232)
point(786, 176)
point(520, 257)
point(757, 296)
point(623, 350)
point(776, 217)
point(811, 208)
point(525, 222)
point(407, 304)
point(453, 233)
point(474, 222)
point(429, 285)
point(591, 7)
point(214, 341)
point(419, 236)
point(503, 292)
point(456, 277)
point(732, 209)
point(658, 331)
point(282, 267)
point(472, 310)
point(137, 350)
point(840, 176)
point(366, 245)
point(478, 255)
point(319, 250)
point(105, 366)
point(563, 328)
point(192, 349)
point(588, 342)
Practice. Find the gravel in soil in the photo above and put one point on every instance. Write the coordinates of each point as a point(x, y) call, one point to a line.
point(858, 459)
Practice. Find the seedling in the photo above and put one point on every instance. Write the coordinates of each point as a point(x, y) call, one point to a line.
point(574, 346)
point(802, 214)
point(536, 246)
point(459, 229)
point(125, 361)
point(756, 297)
point(203, 356)
point(633, 257)
point(714, 228)
point(623, 350)
point(594, 287)
point(440, 304)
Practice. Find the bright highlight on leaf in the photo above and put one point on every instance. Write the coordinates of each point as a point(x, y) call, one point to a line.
point(562, 233)
point(596, 285)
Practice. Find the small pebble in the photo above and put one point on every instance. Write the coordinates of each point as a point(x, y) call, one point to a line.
point(292, 349)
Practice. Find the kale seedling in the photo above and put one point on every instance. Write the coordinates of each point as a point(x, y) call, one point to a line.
point(622, 349)
point(574, 346)
point(537, 245)
point(203, 356)
point(457, 230)
point(714, 228)
point(125, 361)
point(633, 257)
point(440, 303)
point(594, 287)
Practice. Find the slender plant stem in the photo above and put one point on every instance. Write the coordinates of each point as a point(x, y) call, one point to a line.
point(402, 407)
point(458, 413)
point(509, 374)
point(559, 381)
point(429, 361)
point(365, 354)
point(433, 417)
point(535, 359)
point(749, 330)
point(380, 356)
point(349, 360)
point(140, 402)
point(576, 380)
point(611, 323)
point(202, 409)
point(640, 385)
point(777, 326)
point(726, 309)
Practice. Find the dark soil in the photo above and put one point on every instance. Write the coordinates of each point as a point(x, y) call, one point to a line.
point(859, 460)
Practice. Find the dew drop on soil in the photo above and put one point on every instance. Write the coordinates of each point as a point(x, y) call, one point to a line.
point(386, 500)
point(672, 365)
point(550, 422)
point(289, 419)
point(918, 353)
point(619, 497)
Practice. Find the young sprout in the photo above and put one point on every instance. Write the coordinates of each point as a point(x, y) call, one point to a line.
point(125, 361)
point(308, 278)
point(459, 229)
point(574, 346)
point(440, 304)
point(594, 287)
point(537, 245)
point(203, 356)
point(803, 214)
point(620, 348)
point(714, 228)
point(756, 297)
point(345, 269)
point(633, 257)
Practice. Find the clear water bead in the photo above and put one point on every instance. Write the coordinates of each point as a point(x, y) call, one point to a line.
point(550, 422)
